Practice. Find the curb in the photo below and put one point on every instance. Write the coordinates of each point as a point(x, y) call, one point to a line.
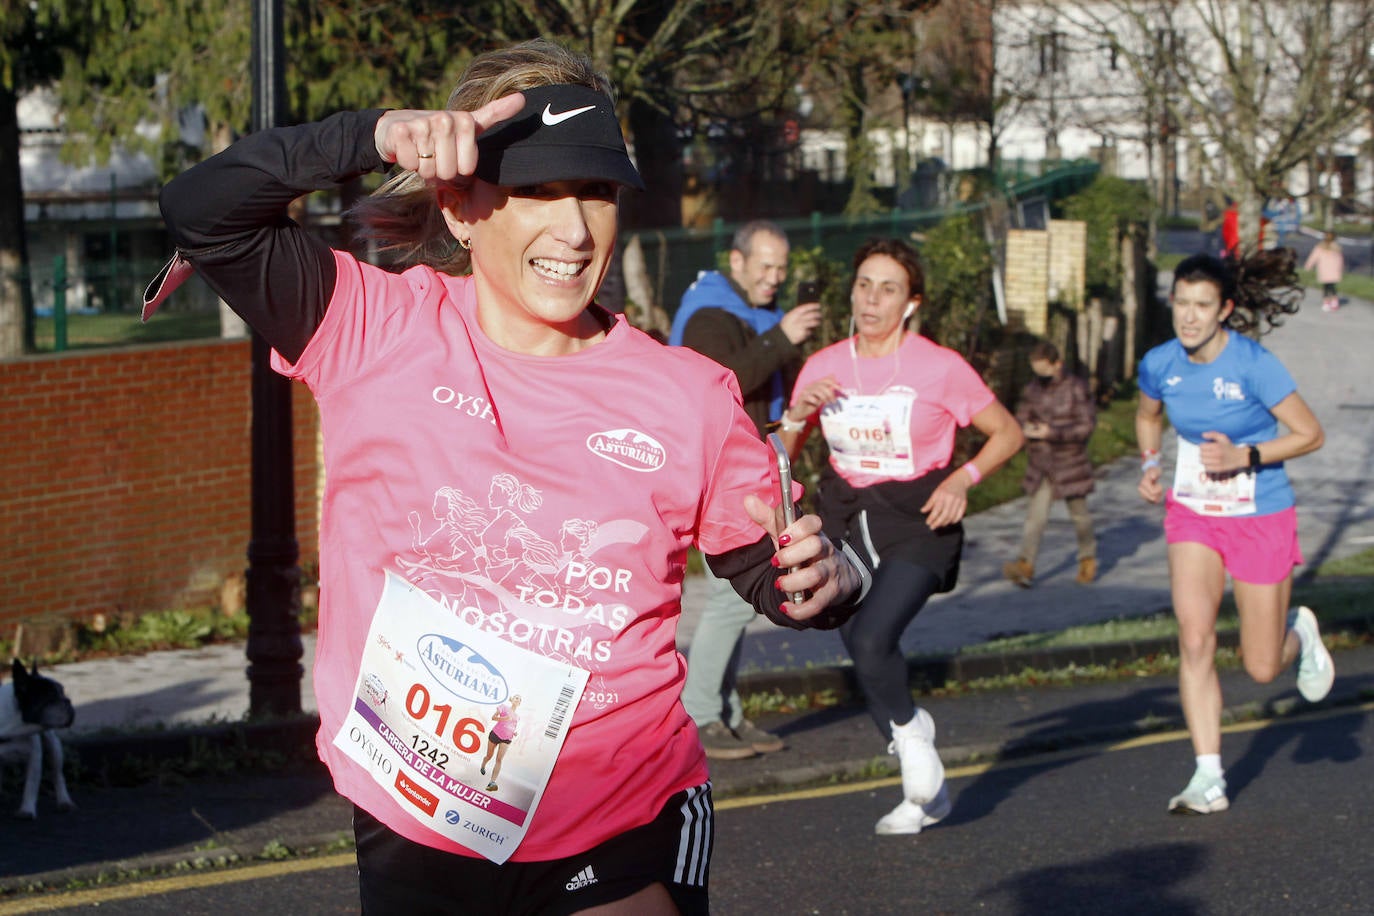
point(113, 756)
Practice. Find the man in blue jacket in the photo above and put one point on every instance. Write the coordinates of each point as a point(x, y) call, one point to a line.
point(735, 321)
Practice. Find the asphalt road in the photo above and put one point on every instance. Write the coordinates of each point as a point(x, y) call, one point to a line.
point(1079, 832)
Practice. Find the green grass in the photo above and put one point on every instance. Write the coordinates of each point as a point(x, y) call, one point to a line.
point(1168, 261)
point(1335, 597)
point(119, 329)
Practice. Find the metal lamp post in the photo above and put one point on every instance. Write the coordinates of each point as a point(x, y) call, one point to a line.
point(273, 579)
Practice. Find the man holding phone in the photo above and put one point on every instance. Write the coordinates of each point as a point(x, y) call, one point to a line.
point(735, 320)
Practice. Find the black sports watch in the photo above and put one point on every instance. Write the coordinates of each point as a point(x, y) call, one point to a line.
point(1254, 457)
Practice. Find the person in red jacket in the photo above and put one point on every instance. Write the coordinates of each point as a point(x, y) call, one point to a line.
point(1230, 229)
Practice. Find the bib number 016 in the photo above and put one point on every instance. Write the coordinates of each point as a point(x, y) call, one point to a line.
point(466, 734)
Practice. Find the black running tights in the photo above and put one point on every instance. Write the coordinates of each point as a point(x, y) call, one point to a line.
point(873, 638)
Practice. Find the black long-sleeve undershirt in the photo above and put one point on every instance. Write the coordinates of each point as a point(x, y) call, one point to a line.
point(227, 216)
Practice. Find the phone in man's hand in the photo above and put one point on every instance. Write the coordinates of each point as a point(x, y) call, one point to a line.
point(808, 291)
point(789, 508)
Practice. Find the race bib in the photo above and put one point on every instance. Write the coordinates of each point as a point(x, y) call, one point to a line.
point(1209, 494)
point(422, 716)
point(870, 434)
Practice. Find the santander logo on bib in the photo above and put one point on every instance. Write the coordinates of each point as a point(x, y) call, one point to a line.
point(628, 448)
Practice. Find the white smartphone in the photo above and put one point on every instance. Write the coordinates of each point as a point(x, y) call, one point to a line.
point(789, 508)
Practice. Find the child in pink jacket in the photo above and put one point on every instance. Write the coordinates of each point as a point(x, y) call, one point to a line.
point(1329, 263)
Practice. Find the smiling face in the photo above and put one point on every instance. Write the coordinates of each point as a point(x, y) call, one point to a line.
point(1198, 313)
point(880, 298)
point(762, 271)
point(539, 254)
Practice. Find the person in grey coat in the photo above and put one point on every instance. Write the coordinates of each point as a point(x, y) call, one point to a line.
point(1057, 415)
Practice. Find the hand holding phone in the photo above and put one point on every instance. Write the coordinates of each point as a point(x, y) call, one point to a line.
point(789, 508)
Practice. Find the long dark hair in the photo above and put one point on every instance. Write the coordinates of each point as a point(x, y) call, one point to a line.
point(1263, 284)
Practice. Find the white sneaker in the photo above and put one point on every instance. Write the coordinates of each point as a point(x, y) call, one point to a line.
point(923, 774)
point(1315, 668)
point(1204, 794)
point(910, 818)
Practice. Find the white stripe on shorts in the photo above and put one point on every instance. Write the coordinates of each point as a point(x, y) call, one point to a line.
point(694, 847)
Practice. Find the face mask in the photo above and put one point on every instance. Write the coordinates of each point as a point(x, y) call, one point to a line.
point(1043, 379)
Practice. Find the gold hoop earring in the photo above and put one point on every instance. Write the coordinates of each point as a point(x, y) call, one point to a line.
point(466, 244)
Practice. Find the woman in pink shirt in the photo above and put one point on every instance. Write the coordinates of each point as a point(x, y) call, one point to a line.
point(499, 738)
point(888, 403)
point(486, 366)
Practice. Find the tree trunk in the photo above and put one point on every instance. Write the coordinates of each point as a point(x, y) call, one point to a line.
point(16, 297)
point(658, 154)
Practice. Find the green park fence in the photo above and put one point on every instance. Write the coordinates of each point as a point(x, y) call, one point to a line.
point(674, 257)
point(98, 303)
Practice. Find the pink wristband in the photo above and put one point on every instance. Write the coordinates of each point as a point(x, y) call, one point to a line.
point(973, 472)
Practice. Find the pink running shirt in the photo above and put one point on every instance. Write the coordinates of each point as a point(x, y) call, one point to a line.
point(505, 726)
point(548, 500)
point(946, 393)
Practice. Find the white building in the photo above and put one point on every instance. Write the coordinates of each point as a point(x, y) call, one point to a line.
point(102, 221)
point(1142, 84)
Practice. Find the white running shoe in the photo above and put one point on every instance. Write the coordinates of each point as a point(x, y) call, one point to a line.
point(1315, 668)
point(1204, 794)
point(923, 774)
point(910, 818)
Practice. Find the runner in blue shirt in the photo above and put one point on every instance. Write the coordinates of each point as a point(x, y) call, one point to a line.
point(1230, 508)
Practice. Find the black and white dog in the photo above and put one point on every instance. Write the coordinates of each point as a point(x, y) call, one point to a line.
point(31, 706)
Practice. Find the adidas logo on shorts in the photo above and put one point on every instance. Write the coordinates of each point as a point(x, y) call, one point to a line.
point(582, 879)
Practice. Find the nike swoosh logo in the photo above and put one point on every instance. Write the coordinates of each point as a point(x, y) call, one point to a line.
point(550, 119)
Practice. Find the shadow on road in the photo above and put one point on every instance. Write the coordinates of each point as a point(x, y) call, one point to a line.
point(1123, 883)
point(1334, 742)
point(1099, 720)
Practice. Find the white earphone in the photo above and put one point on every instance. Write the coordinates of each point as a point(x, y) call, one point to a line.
point(910, 310)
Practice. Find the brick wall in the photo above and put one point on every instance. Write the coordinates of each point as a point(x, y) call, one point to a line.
point(1026, 282)
point(126, 478)
point(1068, 255)
point(1044, 266)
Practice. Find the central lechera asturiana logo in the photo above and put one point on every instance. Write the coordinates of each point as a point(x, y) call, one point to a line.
point(460, 670)
point(628, 448)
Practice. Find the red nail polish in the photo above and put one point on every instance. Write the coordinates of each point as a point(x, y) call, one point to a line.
point(783, 607)
point(784, 540)
point(774, 560)
point(777, 583)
